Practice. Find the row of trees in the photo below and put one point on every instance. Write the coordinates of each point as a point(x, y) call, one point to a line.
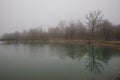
point(95, 28)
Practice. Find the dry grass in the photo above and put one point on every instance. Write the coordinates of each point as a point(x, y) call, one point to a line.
point(113, 44)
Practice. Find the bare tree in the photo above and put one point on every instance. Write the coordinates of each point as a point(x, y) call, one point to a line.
point(107, 30)
point(70, 30)
point(118, 32)
point(62, 26)
point(94, 18)
point(80, 30)
point(97, 29)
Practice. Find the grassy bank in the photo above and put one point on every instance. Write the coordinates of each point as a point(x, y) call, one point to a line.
point(112, 44)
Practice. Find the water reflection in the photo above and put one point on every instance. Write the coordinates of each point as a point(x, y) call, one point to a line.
point(75, 51)
point(93, 63)
point(96, 57)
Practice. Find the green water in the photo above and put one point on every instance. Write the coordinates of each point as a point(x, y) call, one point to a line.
point(58, 62)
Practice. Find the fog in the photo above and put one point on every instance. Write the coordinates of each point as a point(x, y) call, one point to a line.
point(26, 14)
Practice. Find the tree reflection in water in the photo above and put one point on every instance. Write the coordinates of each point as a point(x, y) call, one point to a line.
point(94, 65)
point(75, 51)
point(96, 57)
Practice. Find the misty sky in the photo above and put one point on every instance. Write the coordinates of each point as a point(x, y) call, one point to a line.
point(26, 14)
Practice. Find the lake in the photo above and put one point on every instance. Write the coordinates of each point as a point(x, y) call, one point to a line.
point(58, 62)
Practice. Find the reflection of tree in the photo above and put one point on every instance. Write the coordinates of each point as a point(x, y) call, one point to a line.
point(105, 54)
point(95, 56)
point(94, 65)
point(75, 52)
point(98, 56)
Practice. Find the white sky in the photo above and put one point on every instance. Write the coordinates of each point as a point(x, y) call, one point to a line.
point(26, 14)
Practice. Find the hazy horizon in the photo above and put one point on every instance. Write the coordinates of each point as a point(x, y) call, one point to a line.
point(26, 14)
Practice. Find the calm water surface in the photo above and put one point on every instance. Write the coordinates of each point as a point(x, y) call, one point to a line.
point(58, 62)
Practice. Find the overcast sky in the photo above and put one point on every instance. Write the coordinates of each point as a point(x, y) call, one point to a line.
point(26, 14)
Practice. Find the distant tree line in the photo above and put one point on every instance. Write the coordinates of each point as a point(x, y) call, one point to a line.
point(96, 28)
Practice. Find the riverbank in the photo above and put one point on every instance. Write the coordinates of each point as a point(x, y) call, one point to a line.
point(112, 44)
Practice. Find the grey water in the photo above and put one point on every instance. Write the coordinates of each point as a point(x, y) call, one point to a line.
point(58, 62)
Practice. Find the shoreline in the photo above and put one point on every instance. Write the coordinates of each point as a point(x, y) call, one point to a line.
point(110, 44)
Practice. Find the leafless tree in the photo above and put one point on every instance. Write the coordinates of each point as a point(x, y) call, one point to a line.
point(96, 28)
point(80, 30)
point(94, 18)
point(70, 30)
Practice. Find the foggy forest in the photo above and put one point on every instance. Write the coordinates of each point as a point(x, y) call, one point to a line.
point(94, 28)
